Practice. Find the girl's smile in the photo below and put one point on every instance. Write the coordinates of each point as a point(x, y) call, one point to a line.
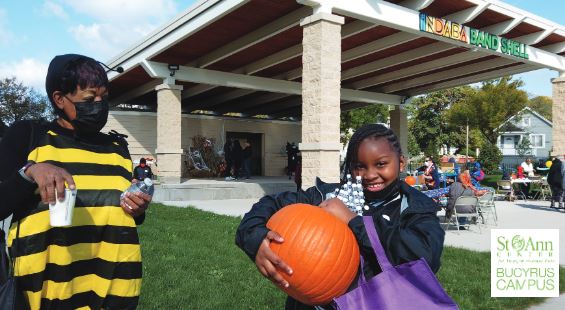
point(377, 163)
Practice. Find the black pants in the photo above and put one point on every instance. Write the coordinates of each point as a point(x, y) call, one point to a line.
point(556, 195)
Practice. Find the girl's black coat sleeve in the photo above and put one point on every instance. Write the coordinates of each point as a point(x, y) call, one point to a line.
point(252, 229)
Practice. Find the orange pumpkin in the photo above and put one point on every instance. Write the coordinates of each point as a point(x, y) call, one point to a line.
point(410, 180)
point(321, 250)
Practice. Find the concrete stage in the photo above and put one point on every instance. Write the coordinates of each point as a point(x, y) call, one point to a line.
point(219, 189)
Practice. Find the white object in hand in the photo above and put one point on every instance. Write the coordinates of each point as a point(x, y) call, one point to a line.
point(61, 213)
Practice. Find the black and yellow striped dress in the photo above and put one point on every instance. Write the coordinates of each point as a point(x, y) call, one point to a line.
point(96, 262)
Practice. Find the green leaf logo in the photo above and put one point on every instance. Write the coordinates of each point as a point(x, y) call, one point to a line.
point(518, 243)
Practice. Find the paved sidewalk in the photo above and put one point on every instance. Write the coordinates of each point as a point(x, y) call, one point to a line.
point(518, 214)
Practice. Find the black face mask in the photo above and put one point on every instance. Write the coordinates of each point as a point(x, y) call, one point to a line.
point(90, 116)
point(384, 193)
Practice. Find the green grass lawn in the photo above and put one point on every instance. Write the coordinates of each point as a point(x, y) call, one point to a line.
point(190, 261)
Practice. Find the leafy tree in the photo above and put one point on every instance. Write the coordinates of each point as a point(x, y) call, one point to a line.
point(428, 119)
point(490, 157)
point(524, 148)
point(486, 109)
point(356, 118)
point(19, 102)
point(413, 147)
point(542, 105)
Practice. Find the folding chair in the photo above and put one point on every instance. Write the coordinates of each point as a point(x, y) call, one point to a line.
point(504, 189)
point(517, 190)
point(535, 186)
point(467, 201)
point(486, 205)
point(544, 191)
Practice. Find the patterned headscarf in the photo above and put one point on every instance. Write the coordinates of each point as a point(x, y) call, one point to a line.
point(465, 179)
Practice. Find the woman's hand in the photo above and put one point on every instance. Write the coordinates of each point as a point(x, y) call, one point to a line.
point(136, 203)
point(338, 209)
point(50, 181)
point(268, 262)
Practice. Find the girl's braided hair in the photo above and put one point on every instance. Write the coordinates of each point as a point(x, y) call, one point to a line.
point(367, 131)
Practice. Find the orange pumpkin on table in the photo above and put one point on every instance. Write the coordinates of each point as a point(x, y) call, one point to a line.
point(321, 250)
point(410, 180)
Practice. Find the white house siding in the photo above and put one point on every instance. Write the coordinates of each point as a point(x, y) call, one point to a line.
point(142, 135)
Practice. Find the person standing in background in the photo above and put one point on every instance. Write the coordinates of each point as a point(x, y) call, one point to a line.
point(247, 153)
point(228, 156)
point(142, 171)
point(237, 158)
point(555, 179)
point(528, 167)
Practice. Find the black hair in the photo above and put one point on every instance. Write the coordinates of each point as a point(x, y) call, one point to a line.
point(66, 72)
point(367, 131)
point(142, 160)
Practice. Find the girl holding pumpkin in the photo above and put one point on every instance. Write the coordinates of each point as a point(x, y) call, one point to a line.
point(405, 219)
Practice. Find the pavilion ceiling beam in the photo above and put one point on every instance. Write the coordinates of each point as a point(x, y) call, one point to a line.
point(230, 95)
point(248, 103)
point(376, 46)
point(274, 107)
point(447, 74)
point(294, 111)
point(416, 5)
point(352, 105)
point(372, 47)
point(395, 16)
point(556, 48)
point(414, 70)
point(536, 37)
point(467, 15)
point(139, 91)
point(397, 59)
point(504, 27)
point(212, 77)
point(473, 79)
point(347, 31)
point(265, 32)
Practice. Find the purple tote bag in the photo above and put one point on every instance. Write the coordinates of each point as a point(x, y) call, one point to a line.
point(411, 285)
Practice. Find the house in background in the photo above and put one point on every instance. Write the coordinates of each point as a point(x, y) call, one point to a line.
point(526, 123)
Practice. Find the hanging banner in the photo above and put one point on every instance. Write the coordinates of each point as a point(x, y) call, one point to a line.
point(475, 37)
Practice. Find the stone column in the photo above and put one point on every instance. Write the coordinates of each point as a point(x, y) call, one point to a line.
point(169, 150)
point(399, 124)
point(321, 83)
point(558, 112)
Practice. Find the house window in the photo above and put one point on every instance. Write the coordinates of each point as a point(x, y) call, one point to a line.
point(537, 141)
point(526, 121)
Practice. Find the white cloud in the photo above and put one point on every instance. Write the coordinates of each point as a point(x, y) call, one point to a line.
point(125, 11)
point(6, 36)
point(51, 8)
point(118, 23)
point(29, 71)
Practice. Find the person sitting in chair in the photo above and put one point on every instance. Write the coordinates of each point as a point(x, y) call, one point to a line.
point(462, 187)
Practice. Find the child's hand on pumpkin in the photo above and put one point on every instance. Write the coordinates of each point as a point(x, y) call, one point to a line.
point(338, 209)
point(268, 262)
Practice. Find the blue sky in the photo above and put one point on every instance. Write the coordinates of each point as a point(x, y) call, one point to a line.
point(33, 31)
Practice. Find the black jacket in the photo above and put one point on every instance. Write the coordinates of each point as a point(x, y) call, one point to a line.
point(555, 174)
point(406, 237)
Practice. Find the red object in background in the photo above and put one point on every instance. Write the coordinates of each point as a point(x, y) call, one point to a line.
point(410, 180)
point(321, 250)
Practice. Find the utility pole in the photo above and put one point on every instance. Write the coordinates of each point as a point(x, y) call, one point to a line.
point(467, 152)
